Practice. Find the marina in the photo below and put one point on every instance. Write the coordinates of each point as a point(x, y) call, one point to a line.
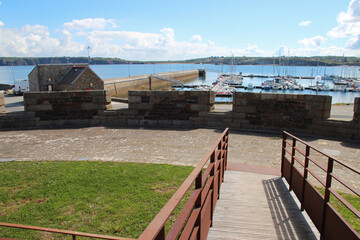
point(253, 77)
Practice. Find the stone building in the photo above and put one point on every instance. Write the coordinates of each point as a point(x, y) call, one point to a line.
point(66, 77)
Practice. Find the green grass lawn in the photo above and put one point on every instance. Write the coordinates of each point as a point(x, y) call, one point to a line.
point(345, 212)
point(349, 216)
point(118, 199)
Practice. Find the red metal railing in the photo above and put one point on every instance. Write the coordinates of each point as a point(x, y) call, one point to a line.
point(195, 218)
point(300, 169)
point(74, 234)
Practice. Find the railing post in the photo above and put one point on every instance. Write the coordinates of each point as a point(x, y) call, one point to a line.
point(226, 148)
point(327, 193)
point(198, 185)
point(212, 186)
point(283, 153)
point(292, 162)
point(306, 163)
point(161, 235)
point(74, 237)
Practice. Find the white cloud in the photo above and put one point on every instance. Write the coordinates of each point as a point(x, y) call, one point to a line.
point(348, 25)
point(304, 23)
point(35, 40)
point(90, 23)
point(196, 38)
point(38, 41)
point(313, 42)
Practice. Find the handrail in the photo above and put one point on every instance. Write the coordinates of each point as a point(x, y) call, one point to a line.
point(318, 206)
point(156, 229)
point(74, 234)
point(323, 153)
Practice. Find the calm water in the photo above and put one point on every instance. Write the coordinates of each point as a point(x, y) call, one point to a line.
point(7, 74)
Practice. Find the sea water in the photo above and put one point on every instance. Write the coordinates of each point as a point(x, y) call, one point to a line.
point(8, 74)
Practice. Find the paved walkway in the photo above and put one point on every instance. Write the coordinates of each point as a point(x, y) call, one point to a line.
point(258, 206)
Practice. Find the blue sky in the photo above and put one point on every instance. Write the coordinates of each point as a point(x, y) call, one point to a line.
point(172, 30)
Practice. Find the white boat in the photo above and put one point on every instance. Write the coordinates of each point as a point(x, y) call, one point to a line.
point(223, 89)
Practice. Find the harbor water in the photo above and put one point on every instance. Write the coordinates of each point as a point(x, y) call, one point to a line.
point(8, 74)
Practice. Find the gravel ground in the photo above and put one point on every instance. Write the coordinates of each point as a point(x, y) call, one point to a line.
point(171, 146)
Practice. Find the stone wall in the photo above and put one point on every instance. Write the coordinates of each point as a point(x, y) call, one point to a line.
point(281, 110)
point(66, 105)
point(299, 114)
point(356, 117)
point(2, 103)
point(171, 105)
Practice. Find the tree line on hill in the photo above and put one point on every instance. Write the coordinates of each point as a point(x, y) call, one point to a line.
point(287, 61)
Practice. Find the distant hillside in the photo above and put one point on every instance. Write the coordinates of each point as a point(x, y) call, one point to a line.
point(292, 61)
point(8, 61)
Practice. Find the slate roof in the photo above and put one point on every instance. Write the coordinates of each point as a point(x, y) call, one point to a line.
point(71, 76)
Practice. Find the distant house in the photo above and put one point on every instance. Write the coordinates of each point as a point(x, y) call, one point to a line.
point(57, 77)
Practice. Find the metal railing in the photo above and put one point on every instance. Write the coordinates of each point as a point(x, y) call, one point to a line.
point(74, 234)
point(195, 218)
point(301, 166)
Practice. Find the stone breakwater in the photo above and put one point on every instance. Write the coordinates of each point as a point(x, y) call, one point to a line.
point(119, 87)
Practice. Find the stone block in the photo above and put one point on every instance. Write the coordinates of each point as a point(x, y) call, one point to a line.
point(199, 107)
point(141, 106)
point(183, 123)
point(326, 113)
point(240, 101)
point(268, 96)
point(244, 109)
point(241, 121)
point(197, 119)
point(146, 122)
point(233, 125)
point(133, 93)
point(203, 113)
point(132, 122)
point(317, 98)
point(91, 106)
point(134, 99)
point(281, 97)
point(317, 106)
point(165, 122)
point(204, 100)
point(30, 101)
point(214, 124)
point(238, 115)
point(38, 108)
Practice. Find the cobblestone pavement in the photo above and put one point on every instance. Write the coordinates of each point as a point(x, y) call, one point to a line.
point(171, 146)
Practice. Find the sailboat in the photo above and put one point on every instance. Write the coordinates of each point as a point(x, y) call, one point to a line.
point(231, 79)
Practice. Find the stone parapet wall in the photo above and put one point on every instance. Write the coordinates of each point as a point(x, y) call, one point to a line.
point(66, 105)
point(18, 120)
point(281, 110)
point(2, 103)
point(298, 114)
point(171, 105)
point(356, 117)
